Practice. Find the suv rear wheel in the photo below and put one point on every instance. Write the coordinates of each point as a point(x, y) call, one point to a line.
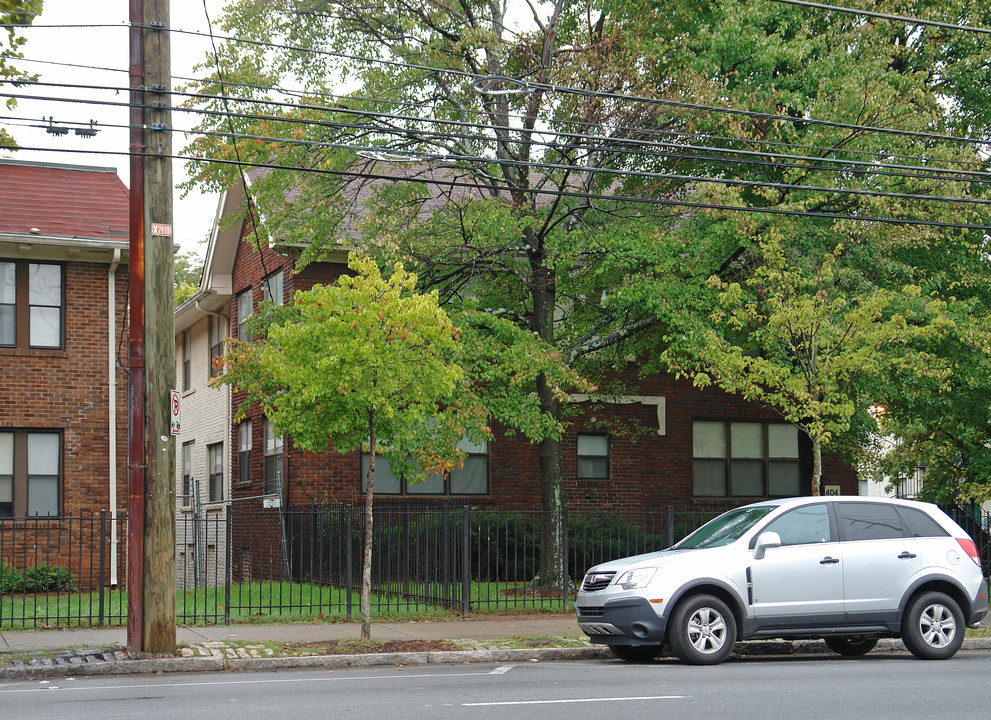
point(933, 626)
point(850, 645)
point(702, 630)
point(635, 653)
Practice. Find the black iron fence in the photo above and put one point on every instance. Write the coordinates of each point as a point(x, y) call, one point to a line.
point(235, 564)
point(63, 571)
point(307, 561)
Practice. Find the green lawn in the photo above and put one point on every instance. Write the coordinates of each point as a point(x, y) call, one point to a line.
point(271, 602)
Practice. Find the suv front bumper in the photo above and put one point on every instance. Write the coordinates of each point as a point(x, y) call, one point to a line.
point(622, 621)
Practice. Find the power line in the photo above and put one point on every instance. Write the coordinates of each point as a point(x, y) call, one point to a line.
point(562, 89)
point(538, 192)
point(578, 123)
point(474, 159)
point(911, 20)
point(668, 150)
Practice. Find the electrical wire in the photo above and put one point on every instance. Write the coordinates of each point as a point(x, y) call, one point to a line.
point(564, 90)
point(420, 156)
point(544, 192)
point(566, 122)
point(635, 145)
point(910, 20)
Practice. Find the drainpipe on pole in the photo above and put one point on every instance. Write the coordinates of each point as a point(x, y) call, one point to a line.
point(112, 387)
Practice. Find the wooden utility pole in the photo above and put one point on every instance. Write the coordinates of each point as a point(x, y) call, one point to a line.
point(151, 356)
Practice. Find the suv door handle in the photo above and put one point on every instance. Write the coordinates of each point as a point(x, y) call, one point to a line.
point(906, 555)
point(829, 561)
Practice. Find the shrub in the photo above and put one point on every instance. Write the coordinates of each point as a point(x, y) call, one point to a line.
point(8, 579)
point(45, 577)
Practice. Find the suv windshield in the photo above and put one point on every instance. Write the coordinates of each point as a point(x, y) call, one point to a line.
point(724, 529)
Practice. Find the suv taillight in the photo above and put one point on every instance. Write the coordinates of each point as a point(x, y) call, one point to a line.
point(970, 547)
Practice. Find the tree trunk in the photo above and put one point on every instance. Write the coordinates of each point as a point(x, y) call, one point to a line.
point(366, 566)
point(552, 568)
point(816, 466)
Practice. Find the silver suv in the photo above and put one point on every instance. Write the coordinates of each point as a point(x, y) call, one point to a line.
point(848, 570)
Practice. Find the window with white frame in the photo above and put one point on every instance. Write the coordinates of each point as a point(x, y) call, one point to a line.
point(273, 459)
point(216, 333)
point(244, 310)
point(30, 473)
point(745, 459)
point(32, 305)
point(272, 287)
point(187, 474)
point(215, 467)
point(470, 479)
point(187, 361)
point(244, 452)
point(593, 457)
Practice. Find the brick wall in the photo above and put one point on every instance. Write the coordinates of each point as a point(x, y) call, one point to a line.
point(647, 469)
point(68, 390)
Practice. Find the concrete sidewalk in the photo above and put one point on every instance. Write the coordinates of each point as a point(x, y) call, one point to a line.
point(90, 651)
point(502, 626)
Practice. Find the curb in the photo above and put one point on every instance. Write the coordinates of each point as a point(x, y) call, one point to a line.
point(153, 666)
point(215, 664)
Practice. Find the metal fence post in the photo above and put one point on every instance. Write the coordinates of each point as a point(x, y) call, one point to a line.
point(670, 525)
point(466, 562)
point(565, 578)
point(227, 568)
point(446, 592)
point(103, 562)
point(347, 581)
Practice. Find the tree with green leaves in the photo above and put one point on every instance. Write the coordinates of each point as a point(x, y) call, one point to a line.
point(456, 157)
point(811, 338)
point(856, 142)
point(188, 271)
point(580, 169)
point(365, 364)
point(14, 13)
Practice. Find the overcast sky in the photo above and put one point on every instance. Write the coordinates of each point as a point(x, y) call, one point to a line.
point(105, 48)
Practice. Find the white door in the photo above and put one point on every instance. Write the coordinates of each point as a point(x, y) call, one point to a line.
point(879, 561)
point(800, 583)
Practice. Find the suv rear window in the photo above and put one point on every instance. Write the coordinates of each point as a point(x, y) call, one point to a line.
point(920, 524)
point(869, 521)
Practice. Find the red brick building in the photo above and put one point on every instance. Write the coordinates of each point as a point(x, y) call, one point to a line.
point(681, 445)
point(63, 411)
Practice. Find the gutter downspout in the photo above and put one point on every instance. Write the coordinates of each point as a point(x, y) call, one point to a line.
point(112, 387)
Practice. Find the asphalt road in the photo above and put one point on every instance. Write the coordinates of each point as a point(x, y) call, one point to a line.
point(893, 686)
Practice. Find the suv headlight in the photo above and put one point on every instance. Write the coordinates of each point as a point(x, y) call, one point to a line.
point(636, 578)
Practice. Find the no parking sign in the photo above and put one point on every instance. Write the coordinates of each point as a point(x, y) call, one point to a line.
point(174, 411)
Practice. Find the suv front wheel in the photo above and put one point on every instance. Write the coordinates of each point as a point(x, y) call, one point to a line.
point(702, 630)
point(933, 626)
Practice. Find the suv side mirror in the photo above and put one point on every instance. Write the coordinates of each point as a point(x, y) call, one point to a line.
point(764, 541)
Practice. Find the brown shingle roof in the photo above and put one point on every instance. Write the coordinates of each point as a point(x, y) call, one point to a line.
point(62, 200)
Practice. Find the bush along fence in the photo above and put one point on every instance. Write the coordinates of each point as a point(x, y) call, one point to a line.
point(62, 571)
point(241, 564)
point(305, 561)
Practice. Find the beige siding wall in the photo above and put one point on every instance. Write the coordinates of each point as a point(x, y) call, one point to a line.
point(204, 415)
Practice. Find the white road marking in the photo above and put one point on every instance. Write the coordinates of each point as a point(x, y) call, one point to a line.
point(220, 683)
point(501, 670)
point(577, 700)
